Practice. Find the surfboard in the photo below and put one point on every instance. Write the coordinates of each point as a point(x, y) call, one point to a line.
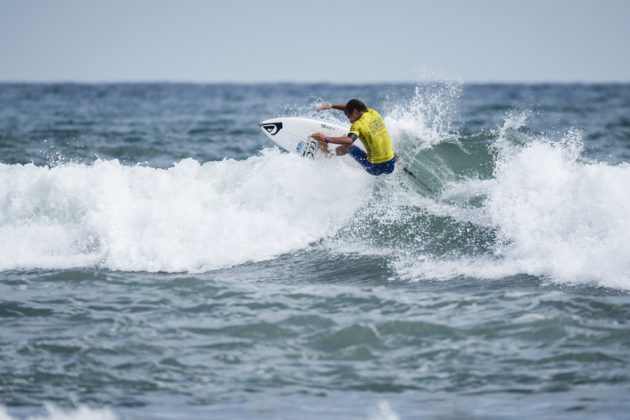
point(293, 134)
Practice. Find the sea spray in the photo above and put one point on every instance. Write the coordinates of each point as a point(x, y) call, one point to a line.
point(425, 118)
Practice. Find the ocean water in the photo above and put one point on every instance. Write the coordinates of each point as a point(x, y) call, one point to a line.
point(160, 258)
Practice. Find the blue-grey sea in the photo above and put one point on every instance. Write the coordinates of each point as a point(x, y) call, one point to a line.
point(161, 259)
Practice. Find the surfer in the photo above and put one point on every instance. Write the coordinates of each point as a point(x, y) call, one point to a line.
point(367, 126)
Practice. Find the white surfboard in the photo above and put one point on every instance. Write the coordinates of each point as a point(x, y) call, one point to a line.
point(293, 134)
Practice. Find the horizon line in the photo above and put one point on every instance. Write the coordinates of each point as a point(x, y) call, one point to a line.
point(319, 82)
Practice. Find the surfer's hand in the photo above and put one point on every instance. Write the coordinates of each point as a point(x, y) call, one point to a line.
point(318, 136)
point(324, 107)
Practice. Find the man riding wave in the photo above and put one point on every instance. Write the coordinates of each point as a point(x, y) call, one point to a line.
point(369, 128)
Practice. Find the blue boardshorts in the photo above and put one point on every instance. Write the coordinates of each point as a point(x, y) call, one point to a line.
point(372, 168)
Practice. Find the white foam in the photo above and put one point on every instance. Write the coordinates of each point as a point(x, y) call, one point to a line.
point(562, 217)
point(384, 411)
point(53, 413)
point(190, 217)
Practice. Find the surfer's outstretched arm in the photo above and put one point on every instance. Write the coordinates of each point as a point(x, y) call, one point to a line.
point(339, 107)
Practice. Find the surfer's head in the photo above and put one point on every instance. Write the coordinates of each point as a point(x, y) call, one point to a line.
point(354, 109)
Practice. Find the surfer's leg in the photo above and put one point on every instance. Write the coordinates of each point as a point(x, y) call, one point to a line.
point(361, 157)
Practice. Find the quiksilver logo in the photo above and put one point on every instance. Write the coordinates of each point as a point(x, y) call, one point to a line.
point(272, 128)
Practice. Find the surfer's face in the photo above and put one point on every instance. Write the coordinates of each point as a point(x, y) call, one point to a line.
point(353, 115)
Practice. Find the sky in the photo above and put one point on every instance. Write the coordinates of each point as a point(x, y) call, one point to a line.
point(314, 41)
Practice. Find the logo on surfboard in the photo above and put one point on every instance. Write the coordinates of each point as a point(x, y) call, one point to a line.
point(307, 148)
point(272, 128)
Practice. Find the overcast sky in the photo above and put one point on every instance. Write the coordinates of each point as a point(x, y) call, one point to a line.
point(315, 40)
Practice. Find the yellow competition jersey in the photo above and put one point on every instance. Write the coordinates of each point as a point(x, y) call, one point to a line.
point(372, 132)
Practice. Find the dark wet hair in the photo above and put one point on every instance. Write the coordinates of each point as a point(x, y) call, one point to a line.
point(355, 104)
